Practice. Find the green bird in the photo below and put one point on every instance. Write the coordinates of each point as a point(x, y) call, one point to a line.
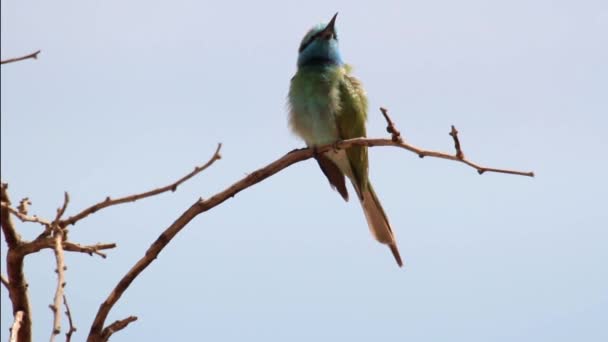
point(327, 104)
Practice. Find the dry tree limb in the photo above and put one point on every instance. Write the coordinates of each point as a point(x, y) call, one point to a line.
point(49, 243)
point(57, 302)
point(61, 211)
point(58, 237)
point(390, 126)
point(54, 237)
point(8, 227)
point(116, 326)
point(459, 156)
point(17, 285)
point(132, 198)
point(33, 55)
point(251, 179)
point(90, 250)
point(16, 327)
point(68, 313)
point(23, 217)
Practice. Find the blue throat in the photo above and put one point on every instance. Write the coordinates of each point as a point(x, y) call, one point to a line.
point(320, 52)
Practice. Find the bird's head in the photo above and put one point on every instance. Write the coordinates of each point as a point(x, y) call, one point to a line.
point(320, 46)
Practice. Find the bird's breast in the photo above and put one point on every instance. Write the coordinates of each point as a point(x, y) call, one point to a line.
point(314, 102)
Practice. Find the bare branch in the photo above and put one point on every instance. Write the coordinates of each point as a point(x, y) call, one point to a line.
point(132, 198)
point(8, 227)
point(33, 55)
point(454, 135)
point(459, 156)
point(16, 326)
point(116, 326)
point(4, 281)
point(90, 250)
point(57, 303)
point(17, 285)
point(390, 128)
point(60, 211)
point(68, 313)
point(251, 179)
point(23, 217)
point(49, 243)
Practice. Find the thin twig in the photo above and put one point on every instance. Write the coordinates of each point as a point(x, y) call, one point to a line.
point(459, 156)
point(33, 55)
point(57, 303)
point(49, 243)
point(90, 250)
point(16, 326)
point(116, 326)
point(60, 211)
point(390, 127)
point(454, 135)
point(68, 313)
point(59, 237)
point(25, 218)
point(132, 198)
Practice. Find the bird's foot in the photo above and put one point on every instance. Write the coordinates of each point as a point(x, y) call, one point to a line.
point(336, 145)
point(315, 151)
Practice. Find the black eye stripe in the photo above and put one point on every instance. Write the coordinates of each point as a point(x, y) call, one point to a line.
point(312, 38)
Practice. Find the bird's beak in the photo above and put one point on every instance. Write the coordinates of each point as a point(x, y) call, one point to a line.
point(330, 30)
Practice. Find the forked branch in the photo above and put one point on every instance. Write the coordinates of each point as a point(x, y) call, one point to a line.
point(132, 198)
point(98, 333)
point(397, 141)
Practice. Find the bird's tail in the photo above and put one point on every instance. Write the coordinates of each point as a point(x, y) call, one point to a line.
point(378, 221)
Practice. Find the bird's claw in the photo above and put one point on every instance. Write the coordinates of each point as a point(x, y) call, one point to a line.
point(336, 145)
point(315, 151)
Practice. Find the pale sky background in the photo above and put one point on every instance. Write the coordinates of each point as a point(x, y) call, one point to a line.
point(130, 95)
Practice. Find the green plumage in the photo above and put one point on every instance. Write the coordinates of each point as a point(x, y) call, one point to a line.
point(328, 104)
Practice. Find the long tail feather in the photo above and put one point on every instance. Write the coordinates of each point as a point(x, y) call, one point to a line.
point(378, 221)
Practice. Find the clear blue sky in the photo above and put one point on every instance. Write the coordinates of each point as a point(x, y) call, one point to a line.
point(131, 95)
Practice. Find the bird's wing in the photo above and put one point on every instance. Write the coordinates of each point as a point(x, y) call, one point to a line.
point(351, 124)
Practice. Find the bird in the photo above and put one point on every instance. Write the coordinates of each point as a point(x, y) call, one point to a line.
point(327, 104)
